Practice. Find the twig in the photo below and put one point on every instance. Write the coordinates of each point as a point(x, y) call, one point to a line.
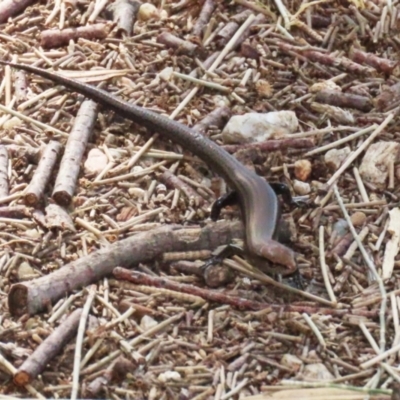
point(324, 267)
point(79, 342)
point(360, 149)
point(370, 265)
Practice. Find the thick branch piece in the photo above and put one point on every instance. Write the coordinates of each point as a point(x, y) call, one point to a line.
point(81, 132)
point(34, 296)
point(40, 179)
point(9, 8)
point(48, 349)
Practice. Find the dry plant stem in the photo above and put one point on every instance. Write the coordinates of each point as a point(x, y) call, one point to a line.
point(61, 311)
point(272, 145)
point(360, 149)
point(380, 357)
point(360, 184)
point(210, 295)
point(41, 177)
point(130, 163)
point(47, 350)
point(143, 172)
point(371, 266)
point(373, 203)
point(32, 121)
point(81, 132)
point(315, 329)
point(32, 297)
point(56, 38)
point(218, 297)
point(369, 337)
point(3, 172)
point(324, 267)
point(242, 266)
point(134, 342)
point(215, 64)
point(172, 181)
point(294, 383)
point(32, 154)
point(202, 82)
point(79, 341)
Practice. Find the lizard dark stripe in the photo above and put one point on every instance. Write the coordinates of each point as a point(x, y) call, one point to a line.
point(259, 203)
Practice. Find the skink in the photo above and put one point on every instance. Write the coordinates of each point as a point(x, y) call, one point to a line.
point(258, 202)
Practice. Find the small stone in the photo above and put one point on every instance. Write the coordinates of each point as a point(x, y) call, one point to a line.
point(95, 162)
point(316, 372)
point(12, 123)
point(148, 11)
point(374, 167)
point(291, 361)
point(340, 227)
point(325, 85)
point(136, 192)
point(32, 233)
point(358, 218)
point(258, 127)
point(334, 158)
point(26, 272)
point(147, 322)
point(301, 188)
point(302, 169)
point(110, 139)
point(169, 376)
point(166, 74)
